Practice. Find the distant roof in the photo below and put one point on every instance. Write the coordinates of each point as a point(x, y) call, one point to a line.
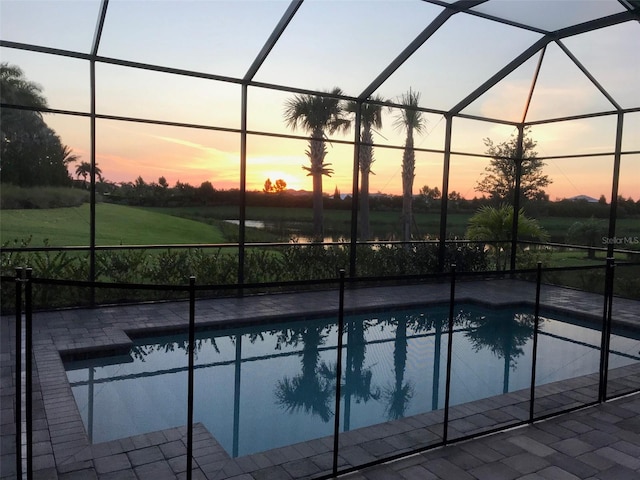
point(584, 198)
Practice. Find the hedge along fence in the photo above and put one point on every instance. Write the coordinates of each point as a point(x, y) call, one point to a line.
point(262, 264)
point(219, 266)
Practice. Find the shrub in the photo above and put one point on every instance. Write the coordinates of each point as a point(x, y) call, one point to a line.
point(313, 261)
point(14, 197)
point(213, 267)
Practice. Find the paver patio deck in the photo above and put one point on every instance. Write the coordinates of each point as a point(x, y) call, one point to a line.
point(602, 441)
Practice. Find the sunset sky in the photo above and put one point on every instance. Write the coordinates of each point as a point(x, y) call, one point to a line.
point(323, 47)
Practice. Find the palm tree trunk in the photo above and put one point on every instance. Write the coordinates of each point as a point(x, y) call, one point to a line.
point(408, 174)
point(364, 208)
point(366, 158)
point(317, 207)
point(317, 153)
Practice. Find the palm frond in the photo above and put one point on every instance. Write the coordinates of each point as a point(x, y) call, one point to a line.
point(410, 118)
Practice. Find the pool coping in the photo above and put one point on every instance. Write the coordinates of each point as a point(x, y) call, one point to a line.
point(119, 340)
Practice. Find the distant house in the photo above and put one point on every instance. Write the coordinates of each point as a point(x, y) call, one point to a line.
point(583, 198)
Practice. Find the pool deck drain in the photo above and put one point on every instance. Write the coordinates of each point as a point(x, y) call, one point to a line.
point(598, 442)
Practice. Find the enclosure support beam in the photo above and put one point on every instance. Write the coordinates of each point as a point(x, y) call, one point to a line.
point(447, 393)
point(605, 343)
point(99, 27)
point(613, 211)
point(410, 50)
point(534, 349)
point(587, 73)
point(243, 184)
point(273, 39)
point(533, 84)
point(355, 196)
point(506, 70)
point(516, 195)
point(18, 370)
point(442, 245)
point(236, 396)
point(28, 366)
point(92, 200)
point(541, 43)
point(190, 374)
point(336, 423)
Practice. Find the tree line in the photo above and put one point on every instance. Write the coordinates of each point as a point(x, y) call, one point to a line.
point(321, 115)
point(32, 154)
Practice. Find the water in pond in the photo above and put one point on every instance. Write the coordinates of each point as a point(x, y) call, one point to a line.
point(258, 388)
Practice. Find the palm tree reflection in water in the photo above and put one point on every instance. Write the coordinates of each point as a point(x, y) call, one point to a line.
point(504, 334)
point(311, 391)
point(357, 380)
point(314, 389)
point(400, 393)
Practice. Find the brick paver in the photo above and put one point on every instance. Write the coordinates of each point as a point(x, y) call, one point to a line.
point(602, 441)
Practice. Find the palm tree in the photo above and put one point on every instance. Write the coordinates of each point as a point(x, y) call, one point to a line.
point(412, 120)
point(68, 156)
point(370, 117)
point(83, 169)
point(493, 226)
point(317, 114)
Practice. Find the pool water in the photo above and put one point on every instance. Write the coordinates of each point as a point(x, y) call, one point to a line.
point(262, 387)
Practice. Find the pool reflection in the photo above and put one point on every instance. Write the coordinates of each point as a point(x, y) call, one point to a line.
point(260, 388)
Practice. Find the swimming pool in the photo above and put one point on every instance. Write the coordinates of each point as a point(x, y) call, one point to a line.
point(262, 387)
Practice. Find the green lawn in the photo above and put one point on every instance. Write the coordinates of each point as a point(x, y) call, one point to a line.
point(576, 259)
point(125, 225)
point(115, 225)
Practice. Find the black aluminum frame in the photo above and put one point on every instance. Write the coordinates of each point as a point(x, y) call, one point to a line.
point(632, 13)
point(449, 10)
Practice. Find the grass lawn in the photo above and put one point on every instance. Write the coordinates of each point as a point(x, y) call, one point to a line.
point(576, 259)
point(118, 224)
point(115, 225)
